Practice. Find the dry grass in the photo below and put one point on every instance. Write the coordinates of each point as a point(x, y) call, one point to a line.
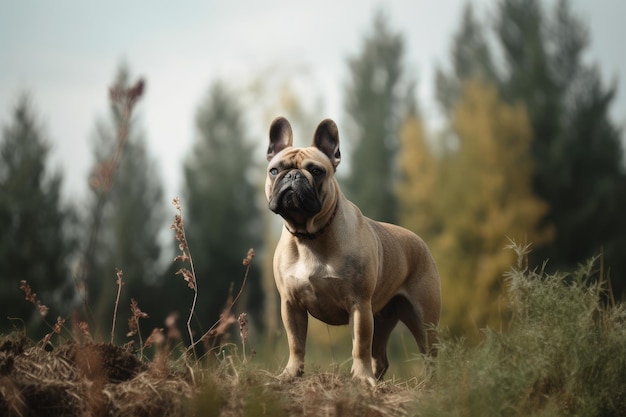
point(249, 391)
point(84, 380)
point(102, 379)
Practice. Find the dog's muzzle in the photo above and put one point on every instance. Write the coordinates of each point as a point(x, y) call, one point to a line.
point(294, 194)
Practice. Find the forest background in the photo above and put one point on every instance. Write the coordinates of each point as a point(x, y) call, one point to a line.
point(525, 147)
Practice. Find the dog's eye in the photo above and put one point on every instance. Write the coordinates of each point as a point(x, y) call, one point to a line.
point(316, 172)
point(274, 171)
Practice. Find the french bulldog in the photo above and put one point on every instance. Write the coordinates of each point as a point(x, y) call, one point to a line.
point(339, 266)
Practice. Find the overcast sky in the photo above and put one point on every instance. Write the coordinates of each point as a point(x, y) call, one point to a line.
point(65, 54)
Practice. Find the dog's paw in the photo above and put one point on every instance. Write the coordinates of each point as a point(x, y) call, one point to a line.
point(363, 375)
point(289, 374)
point(366, 380)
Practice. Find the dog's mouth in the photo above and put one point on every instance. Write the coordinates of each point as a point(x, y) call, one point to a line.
point(295, 201)
point(289, 201)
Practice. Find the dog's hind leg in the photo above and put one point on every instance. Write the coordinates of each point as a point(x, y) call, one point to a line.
point(384, 322)
point(411, 315)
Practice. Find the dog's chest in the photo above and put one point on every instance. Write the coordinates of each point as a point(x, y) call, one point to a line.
point(321, 289)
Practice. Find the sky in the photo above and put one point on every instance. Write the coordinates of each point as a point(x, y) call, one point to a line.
point(65, 54)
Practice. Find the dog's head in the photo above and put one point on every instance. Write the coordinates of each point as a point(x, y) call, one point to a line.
point(300, 184)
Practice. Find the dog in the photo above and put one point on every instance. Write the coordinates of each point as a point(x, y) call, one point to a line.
point(339, 266)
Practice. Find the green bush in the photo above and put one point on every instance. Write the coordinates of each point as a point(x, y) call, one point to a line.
point(564, 353)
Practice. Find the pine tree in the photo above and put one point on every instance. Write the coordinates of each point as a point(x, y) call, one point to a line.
point(373, 104)
point(222, 217)
point(577, 150)
point(470, 58)
point(132, 217)
point(34, 242)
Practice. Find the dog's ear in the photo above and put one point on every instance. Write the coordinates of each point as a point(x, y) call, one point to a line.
point(326, 139)
point(281, 137)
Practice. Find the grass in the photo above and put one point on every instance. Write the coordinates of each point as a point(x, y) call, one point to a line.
point(253, 391)
point(564, 353)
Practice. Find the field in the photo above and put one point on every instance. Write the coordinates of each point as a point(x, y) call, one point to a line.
point(562, 352)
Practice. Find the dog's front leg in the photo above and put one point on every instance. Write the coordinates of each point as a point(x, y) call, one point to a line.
point(362, 327)
point(296, 321)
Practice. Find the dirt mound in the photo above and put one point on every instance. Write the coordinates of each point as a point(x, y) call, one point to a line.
point(93, 379)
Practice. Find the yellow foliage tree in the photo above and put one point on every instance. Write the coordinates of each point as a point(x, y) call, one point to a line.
point(475, 197)
point(417, 184)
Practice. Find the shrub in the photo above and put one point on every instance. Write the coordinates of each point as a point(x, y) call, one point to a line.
point(564, 352)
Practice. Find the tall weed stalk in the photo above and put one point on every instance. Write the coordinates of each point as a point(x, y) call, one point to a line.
point(103, 178)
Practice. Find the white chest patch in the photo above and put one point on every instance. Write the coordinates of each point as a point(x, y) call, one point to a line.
point(313, 270)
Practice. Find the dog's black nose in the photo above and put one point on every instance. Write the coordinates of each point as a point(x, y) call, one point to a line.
point(295, 175)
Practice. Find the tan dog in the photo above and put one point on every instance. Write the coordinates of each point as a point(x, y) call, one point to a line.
point(340, 266)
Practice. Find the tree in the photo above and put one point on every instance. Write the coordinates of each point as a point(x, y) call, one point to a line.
point(491, 195)
point(222, 217)
point(577, 150)
point(34, 241)
point(132, 216)
point(416, 188)
point(373, 103)
point(470, 57)
point(475, 196)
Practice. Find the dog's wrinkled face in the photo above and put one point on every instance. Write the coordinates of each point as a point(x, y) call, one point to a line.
point(298, 179)
point(297, 184)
